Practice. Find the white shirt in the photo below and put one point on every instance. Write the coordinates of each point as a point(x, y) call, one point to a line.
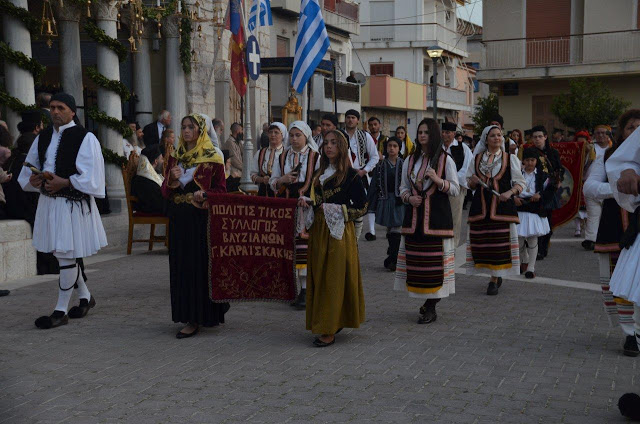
point(516, 171)
point(187, 175)
point(255, 168)
point(627, 156)
point(89, 164)
point(468, 155)
point(127, 148)
point(529, 188)
point(596, 186)
point(372, 152)
point(160, 129)
point(450, 171)
point(290, 164)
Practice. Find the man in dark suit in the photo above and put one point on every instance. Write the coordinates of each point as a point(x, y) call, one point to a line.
point(153, 131)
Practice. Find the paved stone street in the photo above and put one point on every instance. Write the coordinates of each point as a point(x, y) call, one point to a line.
point(537, 353)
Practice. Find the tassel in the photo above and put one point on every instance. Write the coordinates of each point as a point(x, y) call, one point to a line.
point(89, 9)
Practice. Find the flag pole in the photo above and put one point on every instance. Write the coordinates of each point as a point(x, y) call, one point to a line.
point(246, 184)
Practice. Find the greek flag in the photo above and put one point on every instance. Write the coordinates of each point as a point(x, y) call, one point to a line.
point(311, 45)
point(265, 14)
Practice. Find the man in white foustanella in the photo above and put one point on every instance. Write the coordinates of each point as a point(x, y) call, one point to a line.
point(68, 171)
point(363, 153)
point(462, 156)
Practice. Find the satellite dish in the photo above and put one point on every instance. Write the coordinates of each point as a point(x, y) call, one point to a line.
point(360, 78)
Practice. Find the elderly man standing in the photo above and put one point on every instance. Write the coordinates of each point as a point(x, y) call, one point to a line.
point(153, 131)
point(67, 168)
point(234, 146)
point(462, 156)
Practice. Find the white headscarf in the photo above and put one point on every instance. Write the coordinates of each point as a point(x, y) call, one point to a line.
point(302, 126)
point(285, 134)
point(211, 130)
point(482, 144)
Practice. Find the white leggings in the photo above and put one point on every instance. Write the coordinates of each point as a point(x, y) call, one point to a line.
point(528, 251)
point(70, 275)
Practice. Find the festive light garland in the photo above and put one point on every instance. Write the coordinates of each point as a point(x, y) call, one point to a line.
point(22, 60)
point(111, 122)
point(13, 103)
point(22, 14)
point(185, 45)
point(110, 156)
point(111, 85)
point(100, 37)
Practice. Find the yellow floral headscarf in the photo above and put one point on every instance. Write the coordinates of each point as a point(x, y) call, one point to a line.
point(204, 151)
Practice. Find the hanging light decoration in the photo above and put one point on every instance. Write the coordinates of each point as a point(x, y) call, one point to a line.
point(48, 27)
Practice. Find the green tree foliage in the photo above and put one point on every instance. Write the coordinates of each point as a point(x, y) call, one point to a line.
point(587, 104)
point(487, 108)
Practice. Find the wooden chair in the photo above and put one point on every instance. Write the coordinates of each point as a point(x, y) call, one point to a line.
point(128, 172)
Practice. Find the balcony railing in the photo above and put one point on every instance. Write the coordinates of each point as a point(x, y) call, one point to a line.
point(344, 90)
point(342, 8)
point(448, 94)
point(619, 46)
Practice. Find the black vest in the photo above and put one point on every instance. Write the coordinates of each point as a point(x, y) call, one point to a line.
point(537, 207)
point(439, 222)
point(66, 155)
point(611, 227)
point(457, 154)
point(504, 211)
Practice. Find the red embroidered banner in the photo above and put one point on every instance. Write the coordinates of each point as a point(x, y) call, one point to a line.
point(251, 248)
point(570, 191)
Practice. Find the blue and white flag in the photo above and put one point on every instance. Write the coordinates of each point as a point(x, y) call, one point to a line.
point(265, 14)
point(311, 45)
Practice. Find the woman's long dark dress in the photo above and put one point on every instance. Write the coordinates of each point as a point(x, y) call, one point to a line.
point(189, 260)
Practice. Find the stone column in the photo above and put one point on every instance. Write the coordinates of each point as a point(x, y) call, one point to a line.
point(142, 79)
point(70, 58)
point(18, 81)
point(176, 90)
point(110, 102)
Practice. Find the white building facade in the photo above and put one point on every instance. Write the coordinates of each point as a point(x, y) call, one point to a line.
point(393, 41)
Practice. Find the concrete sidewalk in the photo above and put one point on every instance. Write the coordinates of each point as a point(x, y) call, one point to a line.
point(536, 353)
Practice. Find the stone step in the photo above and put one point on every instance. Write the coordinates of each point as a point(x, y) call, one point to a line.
point(17, 255)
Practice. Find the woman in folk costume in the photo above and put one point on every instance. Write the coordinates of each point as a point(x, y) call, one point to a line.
point(292, 179)
point(194, 170)
point(426, 264)
point(335, 298)
point(385, 200)
point(406, 146)
point(67, 221)
point(589, 157)
point(492, 244)
point(268, 158)
point(614, 220)
point(531, 212)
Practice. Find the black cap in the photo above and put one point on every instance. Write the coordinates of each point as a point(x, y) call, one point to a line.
point(353, 112)
point(152, 152)
point(65, 98)
point(449, 126)
point(528, 132)
point(330, 117)
point(497, 118)
point(530, 152)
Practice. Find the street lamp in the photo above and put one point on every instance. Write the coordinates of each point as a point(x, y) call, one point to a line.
point(435, 52)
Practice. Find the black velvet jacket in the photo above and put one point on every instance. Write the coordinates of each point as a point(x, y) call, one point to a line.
point(350, 194)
